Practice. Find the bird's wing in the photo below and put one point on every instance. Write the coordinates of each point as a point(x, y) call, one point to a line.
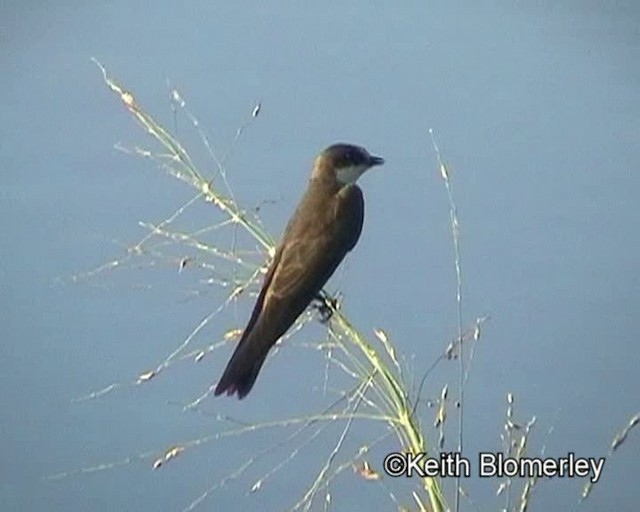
point(257, 308)
point(311, 253)
point(307, 257)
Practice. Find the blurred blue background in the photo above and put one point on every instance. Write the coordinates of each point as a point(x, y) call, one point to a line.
point(536, 109)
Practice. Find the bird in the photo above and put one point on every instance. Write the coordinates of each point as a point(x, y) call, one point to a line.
point(325, 226)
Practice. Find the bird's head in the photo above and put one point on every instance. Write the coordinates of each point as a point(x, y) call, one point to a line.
point(346, 162)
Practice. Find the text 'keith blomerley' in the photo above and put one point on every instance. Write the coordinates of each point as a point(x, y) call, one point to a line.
point(491, 464)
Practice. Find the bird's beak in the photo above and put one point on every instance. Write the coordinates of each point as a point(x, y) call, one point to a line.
point(375, 160)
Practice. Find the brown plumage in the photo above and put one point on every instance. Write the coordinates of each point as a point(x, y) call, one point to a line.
point(324, 228)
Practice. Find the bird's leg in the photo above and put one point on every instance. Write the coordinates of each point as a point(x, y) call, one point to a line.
point(325, 304)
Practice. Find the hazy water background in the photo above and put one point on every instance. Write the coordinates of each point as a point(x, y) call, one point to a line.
point(537, 111)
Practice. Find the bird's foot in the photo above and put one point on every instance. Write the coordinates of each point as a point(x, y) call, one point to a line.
point(326, 305)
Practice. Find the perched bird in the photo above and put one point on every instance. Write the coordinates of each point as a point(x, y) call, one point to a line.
point(324, 228)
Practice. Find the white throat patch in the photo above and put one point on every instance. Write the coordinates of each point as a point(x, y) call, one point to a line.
point(349, 175)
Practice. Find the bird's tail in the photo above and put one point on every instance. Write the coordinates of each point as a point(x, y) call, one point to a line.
point(243, 369)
